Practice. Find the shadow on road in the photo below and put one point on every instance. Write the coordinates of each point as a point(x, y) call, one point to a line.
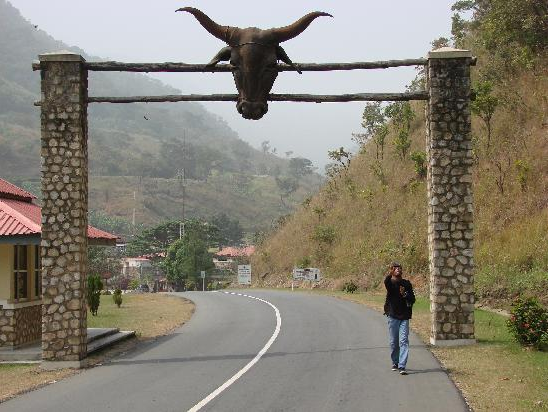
point(125, 361)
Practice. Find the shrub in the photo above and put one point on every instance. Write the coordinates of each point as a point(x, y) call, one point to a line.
point(190, 285)
point(93, 295)
point(117, 297)
point(320, 212)
point(324, 234)
point(419, 160)
point(523, 172)
point(350, 287)
point(528, 323)
point(134, 283)
point(304, 262)
point(378, 172)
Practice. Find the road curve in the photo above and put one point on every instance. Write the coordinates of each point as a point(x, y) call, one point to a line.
point(329, 355)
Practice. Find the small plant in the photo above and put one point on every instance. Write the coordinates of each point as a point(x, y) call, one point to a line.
point(402, 143)
point(350, 185)
point(324, 234)
point(378, 172)
point(350, 287)
point(528, 323)
point(93, 295)
point(419, 160)
point(117, 297)
point(306, 202)
point(523, 172)
point(304, 262)
point(134, 283)
point(484, 105)
point(190, 285)
point(320, 212)
point(367, 194)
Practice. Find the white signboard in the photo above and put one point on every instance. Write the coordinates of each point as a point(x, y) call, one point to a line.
point(307, 274)
point(202, 274)
point(244, 274)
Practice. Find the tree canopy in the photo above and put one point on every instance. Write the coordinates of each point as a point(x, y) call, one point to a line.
point(158, 238)
point(517, 31)
point(185, 259)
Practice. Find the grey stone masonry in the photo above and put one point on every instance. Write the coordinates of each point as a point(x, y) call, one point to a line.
point(450, 203)
point(64, 156)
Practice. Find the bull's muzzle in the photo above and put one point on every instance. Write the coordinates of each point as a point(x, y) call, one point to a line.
point(252, 110)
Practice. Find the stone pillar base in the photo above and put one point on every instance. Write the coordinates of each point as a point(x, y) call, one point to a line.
point(452, 342)
point(54, 365)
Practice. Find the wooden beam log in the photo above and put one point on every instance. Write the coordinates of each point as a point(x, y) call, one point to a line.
point(193, 68)
point(357, 97)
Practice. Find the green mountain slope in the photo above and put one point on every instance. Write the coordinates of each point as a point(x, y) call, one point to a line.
point(151, 142)
point(375, 212)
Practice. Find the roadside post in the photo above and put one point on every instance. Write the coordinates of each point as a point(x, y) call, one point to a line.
point(202, 275)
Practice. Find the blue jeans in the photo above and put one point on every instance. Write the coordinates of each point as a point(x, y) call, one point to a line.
point(398, 333)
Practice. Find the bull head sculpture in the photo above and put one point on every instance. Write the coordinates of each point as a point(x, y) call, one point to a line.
point(253, 55)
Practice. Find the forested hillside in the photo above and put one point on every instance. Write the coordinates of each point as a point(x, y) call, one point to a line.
point(149, 149)
point(373, 208)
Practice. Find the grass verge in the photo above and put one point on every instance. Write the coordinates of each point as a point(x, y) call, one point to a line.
point(149, 315)
point(496, 374)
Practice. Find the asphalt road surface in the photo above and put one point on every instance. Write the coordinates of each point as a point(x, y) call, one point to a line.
point(281, 352)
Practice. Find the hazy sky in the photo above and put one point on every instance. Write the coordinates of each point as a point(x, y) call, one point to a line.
point(150, 31)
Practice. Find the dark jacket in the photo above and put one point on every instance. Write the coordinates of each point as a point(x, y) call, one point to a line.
point(396, 305)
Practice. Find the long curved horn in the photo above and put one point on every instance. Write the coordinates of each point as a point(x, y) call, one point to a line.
point(282, 34)
point(221, 32)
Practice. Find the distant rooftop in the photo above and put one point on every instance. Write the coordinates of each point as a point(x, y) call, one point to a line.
point(236, 251)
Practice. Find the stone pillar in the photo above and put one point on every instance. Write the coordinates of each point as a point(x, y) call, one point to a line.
point(450, 203)
point(64, 210)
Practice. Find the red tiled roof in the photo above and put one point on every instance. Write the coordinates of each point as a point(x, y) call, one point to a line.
point(10, 191)
point(94, 233)
point(234, 251)
point(19, 217)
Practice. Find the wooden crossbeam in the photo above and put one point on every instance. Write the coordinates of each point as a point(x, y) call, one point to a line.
point(111, 66)
point(313, 98)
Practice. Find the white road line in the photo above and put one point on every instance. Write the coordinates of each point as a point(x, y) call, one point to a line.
point(234, 378)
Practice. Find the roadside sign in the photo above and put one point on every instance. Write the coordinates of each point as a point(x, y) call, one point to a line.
point(244, 274)
point(202, 274)
point(313, 274)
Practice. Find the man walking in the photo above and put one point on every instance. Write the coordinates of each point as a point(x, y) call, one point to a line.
point(398, 307)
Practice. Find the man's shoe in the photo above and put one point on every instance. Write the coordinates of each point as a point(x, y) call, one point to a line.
point(403, 371)
point(394, 367)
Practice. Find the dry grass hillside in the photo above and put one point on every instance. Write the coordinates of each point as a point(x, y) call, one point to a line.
point(368, 216)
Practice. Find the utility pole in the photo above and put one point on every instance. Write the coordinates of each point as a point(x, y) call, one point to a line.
point(181, 174)
point(182, 182)
point(133, 218)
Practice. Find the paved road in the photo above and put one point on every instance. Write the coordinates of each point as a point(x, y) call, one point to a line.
point(329, 355)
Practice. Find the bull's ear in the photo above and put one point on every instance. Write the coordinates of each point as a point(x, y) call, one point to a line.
point(282, 55)
point(223, 55)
